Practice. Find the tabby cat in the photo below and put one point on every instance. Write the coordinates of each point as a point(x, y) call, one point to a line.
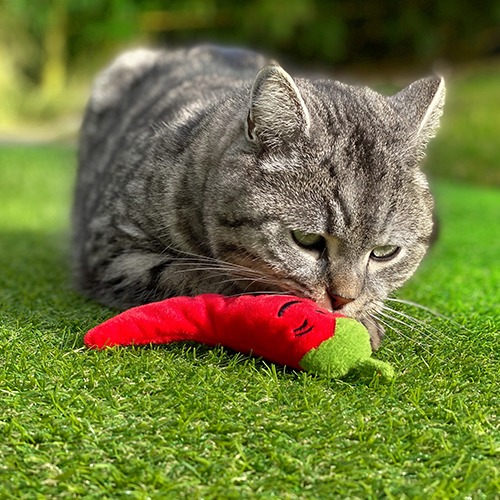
point(211, 170)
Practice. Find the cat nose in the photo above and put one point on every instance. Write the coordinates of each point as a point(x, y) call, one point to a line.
point(338, 302)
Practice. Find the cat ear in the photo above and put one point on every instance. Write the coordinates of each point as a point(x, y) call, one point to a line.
point(421, 103)
point(277, 113)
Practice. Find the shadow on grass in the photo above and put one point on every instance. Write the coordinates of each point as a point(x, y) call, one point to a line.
point(36, 292)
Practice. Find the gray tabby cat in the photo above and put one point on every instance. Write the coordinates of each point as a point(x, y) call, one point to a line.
point(212, 170)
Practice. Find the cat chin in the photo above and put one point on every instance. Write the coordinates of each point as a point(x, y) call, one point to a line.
point(325, 303)
point(376, 331)
point(365, 312)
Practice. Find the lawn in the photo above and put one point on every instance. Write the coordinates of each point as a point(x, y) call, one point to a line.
point(193, 422)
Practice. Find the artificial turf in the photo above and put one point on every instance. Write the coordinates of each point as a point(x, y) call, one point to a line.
point(193, 422)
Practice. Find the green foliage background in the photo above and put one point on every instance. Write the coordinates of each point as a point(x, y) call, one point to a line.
point(336, 32)
point(49, 48)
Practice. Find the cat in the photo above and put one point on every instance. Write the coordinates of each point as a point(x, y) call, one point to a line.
point(212, 170)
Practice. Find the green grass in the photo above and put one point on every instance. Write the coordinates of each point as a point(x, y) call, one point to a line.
point(468, 148)
point(193, 422)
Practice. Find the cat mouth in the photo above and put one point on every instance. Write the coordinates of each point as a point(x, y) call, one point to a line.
point(266, 280)
point(359, 313)
point(325, 303)
point(375, 329)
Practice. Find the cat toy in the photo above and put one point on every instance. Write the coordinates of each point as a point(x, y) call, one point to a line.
point(286, 330)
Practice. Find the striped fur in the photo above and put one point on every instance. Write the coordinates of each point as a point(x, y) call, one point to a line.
point(194, 168)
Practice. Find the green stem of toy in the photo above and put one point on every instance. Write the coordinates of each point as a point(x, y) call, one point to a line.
point(349, 348)
point(372, 367)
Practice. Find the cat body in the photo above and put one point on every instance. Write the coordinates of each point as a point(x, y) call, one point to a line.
point(210, 170)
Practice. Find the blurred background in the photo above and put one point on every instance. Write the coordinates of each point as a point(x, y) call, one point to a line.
point(51, 49)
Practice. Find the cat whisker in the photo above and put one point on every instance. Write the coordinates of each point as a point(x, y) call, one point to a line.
point(217, 264)
point(242, 273)
point(417, 324)
point(233, 276)
point(411, 326)
point(428, 310)
point(237, 272)
point(221, 269)
point(211, 264)
point(417, 305)
point(400, 333)
point(264, 292)
point(263, 280)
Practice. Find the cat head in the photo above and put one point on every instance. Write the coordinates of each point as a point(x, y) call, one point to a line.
point(322, 195)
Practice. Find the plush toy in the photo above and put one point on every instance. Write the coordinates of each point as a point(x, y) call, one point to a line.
point(283, 329)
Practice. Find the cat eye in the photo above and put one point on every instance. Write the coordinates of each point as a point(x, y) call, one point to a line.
point(310, 241)
point(385, 252)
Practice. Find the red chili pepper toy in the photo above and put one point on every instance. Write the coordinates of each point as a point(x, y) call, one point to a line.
point(283, 329)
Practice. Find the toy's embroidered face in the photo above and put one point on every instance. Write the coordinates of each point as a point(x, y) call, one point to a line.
point(305, 317)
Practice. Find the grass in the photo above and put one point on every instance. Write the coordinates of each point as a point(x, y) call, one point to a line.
point(193, 422)
point(469, 149)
